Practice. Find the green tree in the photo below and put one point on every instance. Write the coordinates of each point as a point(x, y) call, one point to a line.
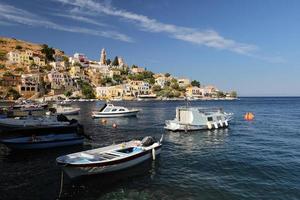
point(115, 62)
point(2, 66)
point(233, 94)
point(13, 93)
point(48, 52)
point(19, 47)
point(2, 55)
point(108, 61)
point(195, 83)
point(156, 88)
point(87, 90)
point(167, 74)
point(68, 93)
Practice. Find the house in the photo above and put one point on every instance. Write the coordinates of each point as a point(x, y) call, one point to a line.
point(183, 82)
point(109, 92)
point(140, 87)
point(194, 91)
point(59, 65)
point(161, 81)
point(61, 82)
point(79, 58)
point(10, 80)
point(137, 70)
point(14, 56)
point(30, 85)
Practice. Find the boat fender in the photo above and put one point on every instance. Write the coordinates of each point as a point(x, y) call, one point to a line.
point(216, 125)
point(114, 125)
point(209, 125)
point(226, 123)
point(221, 123)
point(153, 153)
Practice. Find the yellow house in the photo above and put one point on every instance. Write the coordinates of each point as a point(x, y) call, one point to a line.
point(194, 91)
point(74, 71)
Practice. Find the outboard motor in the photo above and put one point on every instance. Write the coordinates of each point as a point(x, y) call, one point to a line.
point(148, 141)
point(62, 118)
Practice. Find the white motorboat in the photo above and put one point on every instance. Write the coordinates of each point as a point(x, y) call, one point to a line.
point(26, 105)
point(31, 121)
point(66, 110)
point(109, 110)
point(111, 158)
point(43, 141)
point(198, 118)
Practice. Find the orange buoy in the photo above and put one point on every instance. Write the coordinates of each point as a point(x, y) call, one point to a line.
point(249, 116)
point(103, 121)
point(114, 125)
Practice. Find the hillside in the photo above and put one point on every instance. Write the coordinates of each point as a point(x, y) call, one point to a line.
point(9, 44)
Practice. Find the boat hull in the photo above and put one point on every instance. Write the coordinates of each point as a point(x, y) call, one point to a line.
point(110, 115)
point(71, 112)
point(43, 144)
point(173, 126)
point(78, 171)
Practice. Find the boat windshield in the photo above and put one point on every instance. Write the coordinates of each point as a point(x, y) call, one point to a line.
point(103, 107)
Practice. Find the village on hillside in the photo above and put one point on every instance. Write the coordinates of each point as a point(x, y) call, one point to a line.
point(45, 72)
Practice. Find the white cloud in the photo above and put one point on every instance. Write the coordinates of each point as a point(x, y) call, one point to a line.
point(209, 38)
point(10, 14)
point(82, 19)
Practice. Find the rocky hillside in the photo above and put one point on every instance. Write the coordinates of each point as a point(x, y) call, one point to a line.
point(9, 44)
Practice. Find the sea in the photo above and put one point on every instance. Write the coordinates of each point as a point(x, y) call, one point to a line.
point(257, 159)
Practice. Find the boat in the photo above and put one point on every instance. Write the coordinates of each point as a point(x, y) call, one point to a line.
point(142, 97)
point(117, 99)
point(43, 141)
point(112, 158)
point(26, 105)
point(33, 121)
point(109, 110)
point(66, 110)
point(198, 118)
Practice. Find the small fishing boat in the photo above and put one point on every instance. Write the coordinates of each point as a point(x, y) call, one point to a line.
point(26, 105)
point(66, 110)
point(109, 110)
point(198, 118)
point(111, 158)
point(43, 141)
point(33, 121)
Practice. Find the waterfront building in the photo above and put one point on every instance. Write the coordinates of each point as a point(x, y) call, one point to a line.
point(61, 82)
point(30, 85)
point(193, 91)
point(161, 81)
point(10, 80)
point(140, 87)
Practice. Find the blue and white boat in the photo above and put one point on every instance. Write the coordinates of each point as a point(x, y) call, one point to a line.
point(43, 141)
point(111, 158)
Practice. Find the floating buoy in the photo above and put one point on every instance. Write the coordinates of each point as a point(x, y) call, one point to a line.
point(249, 116)
point(114, 125)
point(103, 121)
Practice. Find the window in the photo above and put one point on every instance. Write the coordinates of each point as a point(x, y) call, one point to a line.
point(113, 110)
point(209, 119)
point(122, 109)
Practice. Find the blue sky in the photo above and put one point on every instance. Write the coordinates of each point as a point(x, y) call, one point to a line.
point(248, 46)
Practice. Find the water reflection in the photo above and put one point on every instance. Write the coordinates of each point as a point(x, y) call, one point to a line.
point(98, 185)
point(194, 141)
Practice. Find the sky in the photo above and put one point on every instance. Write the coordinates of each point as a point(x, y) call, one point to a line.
point(251, 47)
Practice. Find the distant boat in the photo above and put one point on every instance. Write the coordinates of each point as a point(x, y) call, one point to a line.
point(66, 110)
point(26, 105)
point(146, 97)
point(43, 141)
point(111, 158)
point(109, 110)
point(198, 118)
point(31, 121)
point(117, 99)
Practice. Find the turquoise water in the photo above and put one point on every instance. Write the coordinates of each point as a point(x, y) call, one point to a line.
point(250, 160)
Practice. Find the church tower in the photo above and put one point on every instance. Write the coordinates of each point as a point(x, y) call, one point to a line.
point(103, 57)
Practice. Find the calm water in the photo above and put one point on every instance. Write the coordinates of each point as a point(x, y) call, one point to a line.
point(250, 160)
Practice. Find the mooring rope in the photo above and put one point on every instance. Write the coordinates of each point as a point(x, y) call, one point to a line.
point(61, 183)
